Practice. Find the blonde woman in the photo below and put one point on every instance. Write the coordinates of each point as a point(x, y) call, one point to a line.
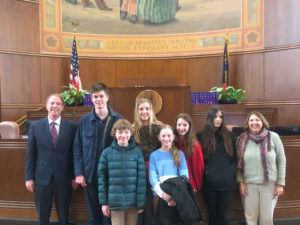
point(146, 130)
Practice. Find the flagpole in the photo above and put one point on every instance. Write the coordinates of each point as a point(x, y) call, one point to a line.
point(227, 46)
point(75, 25)
point(225, 72)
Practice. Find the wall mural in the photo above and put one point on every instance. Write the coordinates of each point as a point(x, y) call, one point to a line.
point(150, 28)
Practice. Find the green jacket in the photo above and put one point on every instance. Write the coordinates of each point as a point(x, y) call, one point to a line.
point(122, 177)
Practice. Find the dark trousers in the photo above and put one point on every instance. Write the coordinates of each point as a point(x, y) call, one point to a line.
point(165, 215)
point(147, 217)
point(95, 215)
point(218, 206)
point(44, 195)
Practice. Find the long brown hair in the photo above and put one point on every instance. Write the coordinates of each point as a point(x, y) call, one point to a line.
point(189, 137)
point(174, 151)
point(208, 139)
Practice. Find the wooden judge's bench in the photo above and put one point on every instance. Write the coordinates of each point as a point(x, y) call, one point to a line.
point(17, 202)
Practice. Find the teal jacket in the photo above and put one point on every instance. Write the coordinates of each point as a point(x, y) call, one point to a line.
point(122, 177)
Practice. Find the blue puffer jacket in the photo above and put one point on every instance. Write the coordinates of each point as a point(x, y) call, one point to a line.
point(122, 177)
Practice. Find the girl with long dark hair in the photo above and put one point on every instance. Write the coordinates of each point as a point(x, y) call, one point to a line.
point(219, 166)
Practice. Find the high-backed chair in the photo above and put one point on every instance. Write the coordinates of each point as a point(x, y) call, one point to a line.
point(9, 130)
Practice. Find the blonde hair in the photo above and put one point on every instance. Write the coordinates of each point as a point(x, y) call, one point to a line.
point(55, 95)
point(138, 123)
point(121, 124)
point(174, 151)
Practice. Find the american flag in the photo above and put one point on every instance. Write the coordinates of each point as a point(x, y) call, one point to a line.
point(75, 81)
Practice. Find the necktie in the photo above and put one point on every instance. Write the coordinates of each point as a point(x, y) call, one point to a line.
point(53, 132)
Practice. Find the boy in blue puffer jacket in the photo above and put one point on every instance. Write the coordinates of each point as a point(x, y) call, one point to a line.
point(122, 177)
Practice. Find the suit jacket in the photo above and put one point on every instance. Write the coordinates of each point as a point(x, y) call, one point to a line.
point(43, 159)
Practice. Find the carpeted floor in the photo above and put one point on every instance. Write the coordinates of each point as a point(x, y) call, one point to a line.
point(291, 221)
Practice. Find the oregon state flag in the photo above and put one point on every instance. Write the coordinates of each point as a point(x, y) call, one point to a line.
point(225, 75)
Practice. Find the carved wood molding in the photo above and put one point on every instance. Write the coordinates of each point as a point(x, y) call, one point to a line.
point(272, 103)
point(201, 110)
point(31, 1)
point(241, 52)
point(17, 204)
point(21, 106)
point(16, 144)
point(291, 141)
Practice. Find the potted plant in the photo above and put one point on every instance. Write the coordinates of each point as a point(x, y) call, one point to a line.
point(73, 97)
point(229, 95)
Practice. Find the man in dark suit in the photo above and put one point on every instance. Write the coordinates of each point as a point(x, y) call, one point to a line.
point(49, 170)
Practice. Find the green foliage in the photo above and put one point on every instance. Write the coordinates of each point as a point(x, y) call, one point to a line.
point(230, 93)
point(72, 97)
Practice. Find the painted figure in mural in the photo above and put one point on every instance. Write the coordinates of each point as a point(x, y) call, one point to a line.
point(128, 9)
point(156, 11)
point(100, 3)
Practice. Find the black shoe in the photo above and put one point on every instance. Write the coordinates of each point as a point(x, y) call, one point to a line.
point(133, 19)
point(123, 15)
point(107, 9)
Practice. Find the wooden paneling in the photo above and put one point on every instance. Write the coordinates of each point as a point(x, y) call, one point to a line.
point(101, 70)
point(282, 22)
point(289, 114)
point(12, 113)
point(17, 202)
point(175, 98)
point(20, 79)
point(151, 69)
point(55, 73)
point(20, 84)
point(234, 114)
point(246, 71)
point(289, 203)
point(204, 73)
point(122, 100)
point(282, 75)
point(249, 75)
point(20, 26)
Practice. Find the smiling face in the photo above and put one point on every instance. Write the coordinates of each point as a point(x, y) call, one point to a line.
point(144, 111)
point(182, 127)
point(54, 107)
point(123, 137)
point(255, 124)
point(166, 138)
point(218, 120)
point(100, 99)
